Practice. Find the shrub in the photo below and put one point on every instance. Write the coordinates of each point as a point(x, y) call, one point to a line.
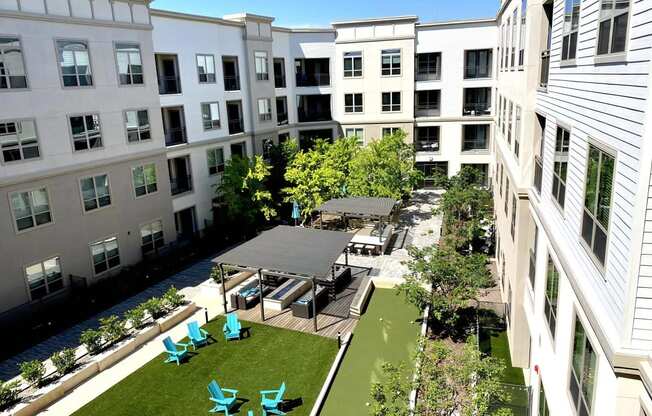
point(92, 339)
point(135, 316)
point(64, 360)
point(173, 298)
point(155, 307)
point(112, 328)
point(8, 393)
point(32, 371)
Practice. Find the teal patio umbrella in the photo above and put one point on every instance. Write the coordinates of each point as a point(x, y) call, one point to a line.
point(296, 212)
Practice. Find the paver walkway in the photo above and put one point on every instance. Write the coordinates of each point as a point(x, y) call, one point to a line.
point(187, 281)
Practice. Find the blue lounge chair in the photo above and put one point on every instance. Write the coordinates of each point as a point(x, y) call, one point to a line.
point(271, 405)
point(197, 335)
point(174, 354)
point(222, 403)
point(232, 327)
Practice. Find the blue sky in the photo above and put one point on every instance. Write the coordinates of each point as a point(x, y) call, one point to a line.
point(311, 13)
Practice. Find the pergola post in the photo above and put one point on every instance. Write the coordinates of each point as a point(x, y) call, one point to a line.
point(223, 287)
point(346, 256)
point(260, 290)
point(321, 220)
point(314, 304)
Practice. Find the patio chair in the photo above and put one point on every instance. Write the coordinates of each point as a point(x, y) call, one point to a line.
point(197, 335)
point(174, 354)
point(222, 403)
point(271, 405)
point(232, 327)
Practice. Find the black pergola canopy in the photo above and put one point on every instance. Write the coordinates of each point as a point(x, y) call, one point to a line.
point(363, 207)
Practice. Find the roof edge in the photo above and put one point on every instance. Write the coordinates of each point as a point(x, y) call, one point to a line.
point(407, 18)
point(195, 17)
point(487, 20)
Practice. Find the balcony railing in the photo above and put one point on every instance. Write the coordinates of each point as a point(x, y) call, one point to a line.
point(538, 173)
point(279, 81)
point(545, 69)
point(426, 145)
point(306, 116)
point(313, 79)
point(236, 126)
point(169, 85)
point(281, 118)
point(231, 83)
point(181, 184)
point(427, 110)
point(174, 136)
point(428, 76)
point(476, 109)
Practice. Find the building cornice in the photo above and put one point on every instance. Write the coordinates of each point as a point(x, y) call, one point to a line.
point(383, 39)
point(389, 19)
point(194, 17)
point(74, 20)
point(464, 22)
point(302, 30)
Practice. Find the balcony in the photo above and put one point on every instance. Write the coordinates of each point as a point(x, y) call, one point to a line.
point(279, 73)
point(312, 72)
point(175, 136)
point(426, 146)
point(180, 176)
point(428, 67)
point(174, 128)
point(281, 118)
point(181, 184)
point(538, 173)
point(231, 71)
point(314, 108)
point(169, 85)
point(236, 126)
point(231, 83)
point(167, 72)
point(545, 69)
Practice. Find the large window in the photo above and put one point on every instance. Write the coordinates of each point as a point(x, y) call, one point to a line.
point(562, 143)
point(427, 103)
point(477, 64)
point(612, 32)
point(521, 39)
point(206, 68)
point(352, 64)
point(533, 255)
point(264, 109)
point(389, 131)
point(130, 66)
point(144, 179)
point(391, 62)
point(517, 131)
point(137, 124)
point(551, 298)
point(597, 201)
point(510, 118)
point(426, 139)
point(18, 140)
point(262, 66)
point(239, 149)
point(513, 221)
point(86, 133)
point(215, 160)
point(357, 132)
point(571, 29)
point(582, 378)
point(475, 137)
point(75, 63)
point(105, 254)
point(543, 402)
point(95, 192)
point(210, 115)
point(44, 278)
point(12, 68)
point(428, 66)
point(482, 170)
point(353, 103)
point(31, 208)
point(151, 236)
point(391, 101)
point(477, 101)
point(512, 49)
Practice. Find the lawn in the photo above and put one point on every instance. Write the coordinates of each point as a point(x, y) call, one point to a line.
point(269, 357)
point(393, 339)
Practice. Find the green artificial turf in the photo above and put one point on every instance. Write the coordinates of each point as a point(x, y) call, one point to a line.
point(495, 343)
point(393, 339)
point(261, 362)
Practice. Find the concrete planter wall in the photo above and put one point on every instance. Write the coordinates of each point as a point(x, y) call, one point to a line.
point(234, 281)
point(46, 395)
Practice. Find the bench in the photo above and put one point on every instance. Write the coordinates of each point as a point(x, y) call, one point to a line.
point(361, 297)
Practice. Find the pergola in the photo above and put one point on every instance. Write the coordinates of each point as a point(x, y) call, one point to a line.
point(290, 252)
point(374, 209)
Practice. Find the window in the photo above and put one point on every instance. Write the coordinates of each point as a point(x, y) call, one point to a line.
point(521, 39)
point(562, 143)
point(543, 402)
point(510, 113)
point(517, 131)
point(12, 67)
point(552, 296)
point(427, 103)
point(352, 64)
point(477, 64)
point(357, 132)
point(215, 160)
point(391, 101)
point(281, 110)
point(130, 66)
point(18, 140)
point(612, 32)
point(391, 62)
point(239, 149)
point(75, 63)
point(508, 42)
point(353, 103)
point(279, 73)
point(504, 126)
point(506, 195)
point(137, 123)
point(389, 131)
point(262, 70)
point(477, 101)
point(513, 222)
point(427, 139)
point(44, 278)
point(95, 192)
point(428, 66)
point(206, 68)
point(105, 254)
point(482, 169)
point(267, 145)
point(571, 28)
point(264, 109)
point(86, 133)
point(533, 255)
point(31, 208)
point(151, 236)
point(597, 201)
point(475, 137)
point(583, 366)
point(144, 179)
point(512, 49)
point(210, 115)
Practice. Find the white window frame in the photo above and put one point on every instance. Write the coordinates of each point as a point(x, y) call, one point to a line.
point(210, 123)
point(357, 132)
point(103, 242)
point(85, 136)
point(355, 108)
point(139, 129)
point(130, 73)
point(97, 198)
point(46, 282)
point(20, 144)
point(389, 130)
point(145, 185)
point(156, 242)
point(611, 16)
point(391, 104)
point(261, 59)
point(219, 167)
point(352, 56)
point(393, 70)
point(568, 31)
point(7, 75)
point(571, 371)
point(31, 209)
point(262, 114)
point(207, 74)
point(59, 44)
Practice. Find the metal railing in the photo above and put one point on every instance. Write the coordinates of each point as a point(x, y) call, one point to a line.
point(231, 82)
point(279, 81)
point(427, 110)
point(313, 79)
point(476, 109)
point(174, 136)
point(181, 184)
point(545, 69)
point(308, 116)
point(169, 84)
point(236, 126)
point(281, 118)
point(428, 76)
point(426, 145)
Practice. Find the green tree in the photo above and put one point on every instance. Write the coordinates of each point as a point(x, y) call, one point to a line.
point(280, 156)
point(389, 396)
point(243, 191)
point(384, 168)
point(444, 279)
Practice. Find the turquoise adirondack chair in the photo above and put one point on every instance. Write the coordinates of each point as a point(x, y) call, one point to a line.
point(175, 354)
point(222, 403)
point(232, 327)
point(270, 405)
point(197, 335)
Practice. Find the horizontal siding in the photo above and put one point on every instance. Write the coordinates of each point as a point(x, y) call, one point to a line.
point(642, 331)
point(604, 104)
